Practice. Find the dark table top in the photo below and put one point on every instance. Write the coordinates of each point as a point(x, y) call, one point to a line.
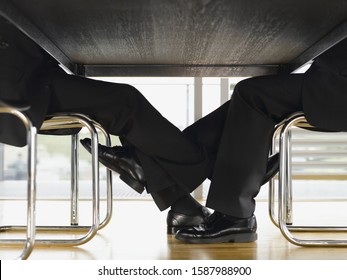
point(181, 37)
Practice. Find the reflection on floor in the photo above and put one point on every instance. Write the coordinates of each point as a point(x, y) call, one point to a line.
point(137, 231)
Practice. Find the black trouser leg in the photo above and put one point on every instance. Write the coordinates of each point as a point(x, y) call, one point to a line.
point(167, 155)
point(238, 134)
point(255, 107)
point(207, 132)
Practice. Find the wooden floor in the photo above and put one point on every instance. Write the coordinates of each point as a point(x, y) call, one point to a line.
point(137, 231)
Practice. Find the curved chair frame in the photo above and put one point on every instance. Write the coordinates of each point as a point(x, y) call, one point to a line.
point(71, 120)
point(56, 122)
point(285, 220)
point(31, 184)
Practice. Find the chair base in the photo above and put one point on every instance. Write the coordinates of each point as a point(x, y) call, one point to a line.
point(285, 220)
point(73, 121)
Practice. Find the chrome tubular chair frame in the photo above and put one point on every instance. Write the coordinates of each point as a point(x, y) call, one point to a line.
point(289, 218)
point(53, 123)
point(31, 185)
point(109, 190)
point(284, 220)
point(59, 121)
point(71, 120)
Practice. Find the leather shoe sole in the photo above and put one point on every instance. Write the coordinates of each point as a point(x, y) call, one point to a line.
point(229, 238)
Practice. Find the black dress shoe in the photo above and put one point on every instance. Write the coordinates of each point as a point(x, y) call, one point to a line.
point(220, 229)
point(121, 160)
point(176, 221)
point(273, 165)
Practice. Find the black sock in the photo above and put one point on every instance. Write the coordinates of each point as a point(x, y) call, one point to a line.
point(186, 205)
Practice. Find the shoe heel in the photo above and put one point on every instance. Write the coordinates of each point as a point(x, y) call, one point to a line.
point(135, 185)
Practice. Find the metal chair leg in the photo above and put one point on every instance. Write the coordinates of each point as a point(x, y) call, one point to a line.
point(289, 188)
point(285, 181)
point(109, 190)
point(74, 180)
point(74, 177)
point(271, 196)
point(73, 121)
point(65, 120)
point(74, 183)
point(31, 186)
